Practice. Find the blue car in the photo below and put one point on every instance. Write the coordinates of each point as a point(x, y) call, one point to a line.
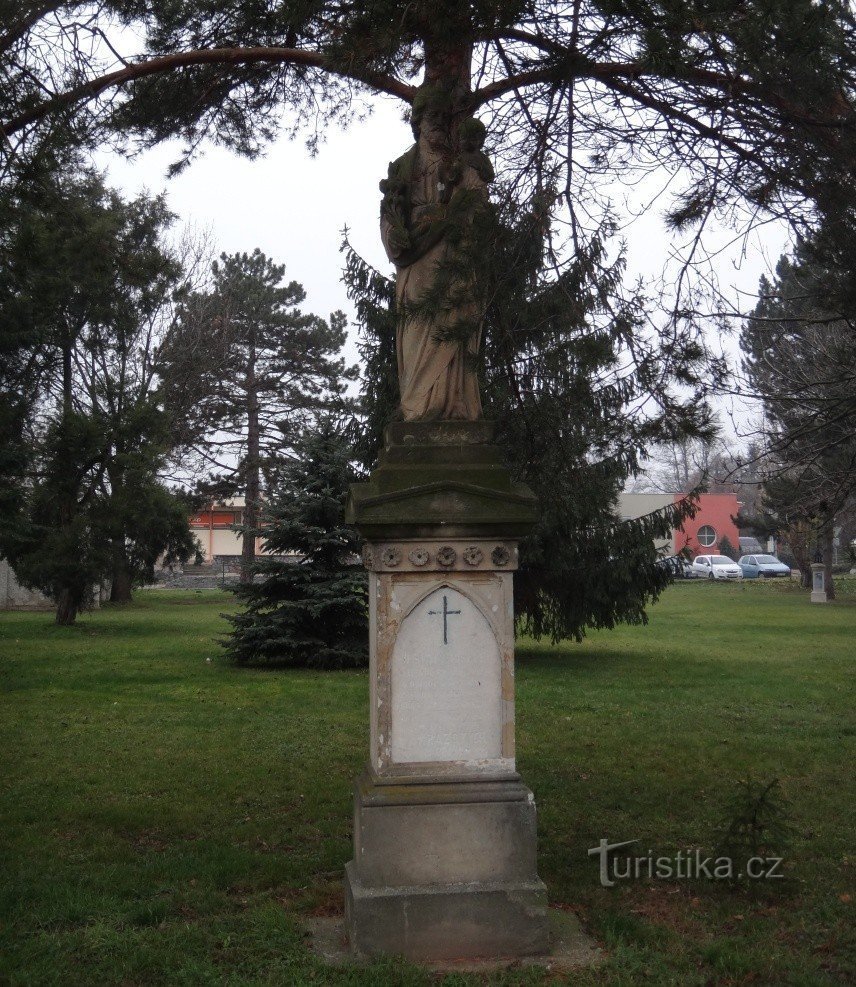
point(764, 566)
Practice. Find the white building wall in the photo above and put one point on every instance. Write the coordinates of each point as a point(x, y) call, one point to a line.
point(635, 505)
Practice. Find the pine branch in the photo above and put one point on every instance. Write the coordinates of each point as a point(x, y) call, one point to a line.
point(212, 56)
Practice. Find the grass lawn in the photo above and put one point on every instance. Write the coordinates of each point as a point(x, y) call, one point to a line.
point(167, 819)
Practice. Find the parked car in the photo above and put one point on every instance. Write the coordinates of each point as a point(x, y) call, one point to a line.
point(716, 567)
point(686, 570)
point(749, 545)
point(766, 566)
point(678, 566)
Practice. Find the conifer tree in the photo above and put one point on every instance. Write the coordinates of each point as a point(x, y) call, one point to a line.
point(579, 389)
point(86, 283)
point(741, 103)
point(799, 361)
point(309, 606)
point(260, 368)
point(746, 108)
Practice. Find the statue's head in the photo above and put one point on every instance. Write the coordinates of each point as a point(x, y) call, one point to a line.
point(431, 112)
point(471, 134)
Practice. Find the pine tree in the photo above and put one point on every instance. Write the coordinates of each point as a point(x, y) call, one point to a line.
point(567, 376)
point(800, 362)
point(745, 109)
point(768, 84)
point(308, 608)
point(262, 369)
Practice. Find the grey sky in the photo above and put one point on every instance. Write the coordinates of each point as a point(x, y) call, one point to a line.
point(290, 205)
point(294, 207)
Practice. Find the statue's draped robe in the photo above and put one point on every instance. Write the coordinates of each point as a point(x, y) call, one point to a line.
point(437, 377)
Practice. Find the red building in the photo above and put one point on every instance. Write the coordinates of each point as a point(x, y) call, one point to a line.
point(703, 535)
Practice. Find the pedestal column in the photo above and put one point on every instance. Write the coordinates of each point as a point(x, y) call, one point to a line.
point(444, 829)
point(818, 583)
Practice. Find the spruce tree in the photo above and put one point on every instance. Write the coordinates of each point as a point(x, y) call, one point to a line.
point(579, 390)
point(308, 607)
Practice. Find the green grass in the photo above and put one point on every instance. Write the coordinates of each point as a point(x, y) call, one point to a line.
point(167, 819)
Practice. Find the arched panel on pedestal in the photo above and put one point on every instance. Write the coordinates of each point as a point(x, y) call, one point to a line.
point(446, 682)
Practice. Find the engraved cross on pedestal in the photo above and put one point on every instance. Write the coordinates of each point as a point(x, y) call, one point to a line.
point(446, 613)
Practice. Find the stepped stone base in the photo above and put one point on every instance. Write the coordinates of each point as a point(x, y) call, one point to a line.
point(445, 871)
point(453, 921)
point(570, 949)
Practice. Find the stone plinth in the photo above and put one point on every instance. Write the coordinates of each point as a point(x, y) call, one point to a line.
point(444, 830)
point(818, 583)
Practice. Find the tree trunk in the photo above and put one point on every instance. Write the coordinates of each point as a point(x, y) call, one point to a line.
point(66, 608)
point(67, 603)
point(799, 542)
point(122, 583)
point(828, 553)
point(447, 30)
point(66, 376)
point(252, 468)
point(120, 569)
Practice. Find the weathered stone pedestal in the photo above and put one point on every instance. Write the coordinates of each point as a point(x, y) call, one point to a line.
point(444, 830)
point(818, 583)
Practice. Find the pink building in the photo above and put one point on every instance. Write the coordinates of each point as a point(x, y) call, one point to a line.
point(703, 535)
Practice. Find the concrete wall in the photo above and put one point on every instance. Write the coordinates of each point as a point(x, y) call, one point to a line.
point(634, 505)
point(14, 596)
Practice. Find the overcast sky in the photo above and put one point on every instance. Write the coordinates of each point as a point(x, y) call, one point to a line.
point(293, 207)
point(290, 205)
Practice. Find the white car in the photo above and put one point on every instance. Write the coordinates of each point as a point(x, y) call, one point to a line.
point(716, 567)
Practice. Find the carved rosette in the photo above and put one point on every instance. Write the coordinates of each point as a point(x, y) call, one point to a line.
point(484, 555)
point(500, 556)
point(390, 557)
point(446, 556)
point(473, 555)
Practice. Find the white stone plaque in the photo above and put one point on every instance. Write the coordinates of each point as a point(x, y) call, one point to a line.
point(446, 683)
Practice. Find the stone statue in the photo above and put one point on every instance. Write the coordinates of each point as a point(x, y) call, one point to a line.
point(432, 197)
